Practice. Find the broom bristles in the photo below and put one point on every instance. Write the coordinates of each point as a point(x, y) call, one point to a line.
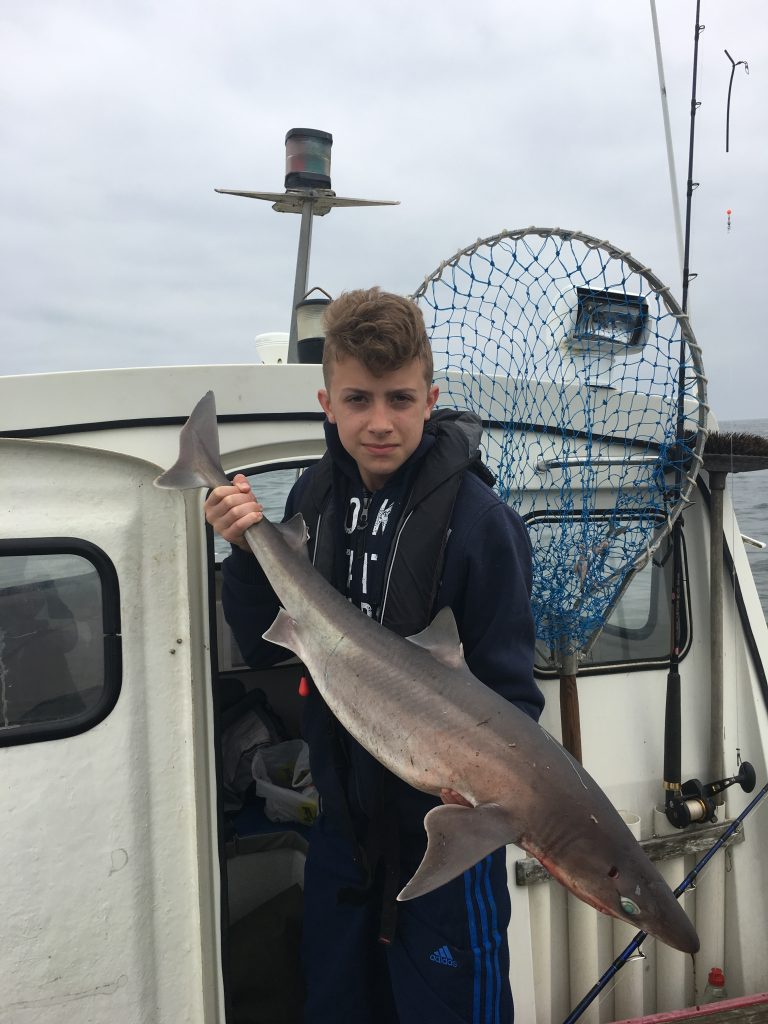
point(736, 443)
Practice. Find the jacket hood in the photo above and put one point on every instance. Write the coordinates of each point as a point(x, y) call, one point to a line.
point(468, 422)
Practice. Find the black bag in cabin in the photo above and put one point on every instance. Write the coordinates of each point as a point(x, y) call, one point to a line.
point(246, 725)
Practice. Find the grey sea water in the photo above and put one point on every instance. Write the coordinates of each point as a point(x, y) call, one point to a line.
point(749, 495)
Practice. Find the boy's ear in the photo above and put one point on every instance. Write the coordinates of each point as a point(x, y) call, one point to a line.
point(325, 401)
point(432, 394)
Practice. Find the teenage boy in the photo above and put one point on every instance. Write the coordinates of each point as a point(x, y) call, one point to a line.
point(403, 521)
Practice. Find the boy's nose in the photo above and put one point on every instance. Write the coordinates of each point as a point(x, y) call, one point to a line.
point(380, 422)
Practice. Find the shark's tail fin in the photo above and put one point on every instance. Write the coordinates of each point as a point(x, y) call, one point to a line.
point(199, 461)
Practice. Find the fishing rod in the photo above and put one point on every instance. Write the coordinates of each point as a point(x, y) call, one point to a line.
point(734, 65)
point(679, 810)
point(633, 946)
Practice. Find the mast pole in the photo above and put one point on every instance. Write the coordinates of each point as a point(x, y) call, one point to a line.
point(302, 276)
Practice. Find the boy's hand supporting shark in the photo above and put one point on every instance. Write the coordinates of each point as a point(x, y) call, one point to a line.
point(231, 510)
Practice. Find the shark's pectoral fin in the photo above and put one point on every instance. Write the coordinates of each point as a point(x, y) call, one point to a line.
point(458, 837)
point(441, 639)
point(295, 533)
point(283, 632)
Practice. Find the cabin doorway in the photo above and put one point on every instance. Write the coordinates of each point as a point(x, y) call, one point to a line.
point(266, 804)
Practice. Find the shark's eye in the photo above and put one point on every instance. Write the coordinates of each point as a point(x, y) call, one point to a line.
point(630, 907)
point(613, 873)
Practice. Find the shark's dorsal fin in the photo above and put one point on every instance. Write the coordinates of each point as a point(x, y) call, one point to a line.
point(441, 639)
point(458, 838)
point(294, 532)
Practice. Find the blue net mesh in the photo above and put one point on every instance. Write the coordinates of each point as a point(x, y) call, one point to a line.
point(589, 382)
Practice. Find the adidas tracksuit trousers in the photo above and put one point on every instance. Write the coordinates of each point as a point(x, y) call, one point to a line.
point(448, 962)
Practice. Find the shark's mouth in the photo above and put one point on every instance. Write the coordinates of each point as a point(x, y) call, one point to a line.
point(570, 883)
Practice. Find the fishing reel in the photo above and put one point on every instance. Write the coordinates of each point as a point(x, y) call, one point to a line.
point(695, 801)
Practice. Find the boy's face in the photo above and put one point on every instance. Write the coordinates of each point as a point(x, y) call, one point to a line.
point(380, 419)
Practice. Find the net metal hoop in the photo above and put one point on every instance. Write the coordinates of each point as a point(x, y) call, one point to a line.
point(568, 421)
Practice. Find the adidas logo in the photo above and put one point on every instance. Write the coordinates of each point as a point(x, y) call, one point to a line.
point(443, 956)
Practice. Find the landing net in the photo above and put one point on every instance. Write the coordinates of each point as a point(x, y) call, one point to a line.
point(589, 381)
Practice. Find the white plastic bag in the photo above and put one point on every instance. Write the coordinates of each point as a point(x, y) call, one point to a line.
point(283, 778)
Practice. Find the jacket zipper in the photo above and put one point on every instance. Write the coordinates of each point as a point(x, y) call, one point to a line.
point(362, 525)
point(317, 539)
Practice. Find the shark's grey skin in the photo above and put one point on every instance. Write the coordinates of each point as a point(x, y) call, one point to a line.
point(416, 707)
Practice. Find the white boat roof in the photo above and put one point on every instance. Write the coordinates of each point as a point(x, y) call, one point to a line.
point(49, 403)
point(44, 403)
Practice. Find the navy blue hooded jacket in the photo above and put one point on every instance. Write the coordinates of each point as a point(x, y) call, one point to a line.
point(486, 581)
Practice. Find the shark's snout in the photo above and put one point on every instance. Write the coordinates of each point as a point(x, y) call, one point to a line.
point(633, 892)
point(654, 909)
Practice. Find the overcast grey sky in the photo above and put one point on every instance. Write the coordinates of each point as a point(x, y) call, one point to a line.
point(120, 118)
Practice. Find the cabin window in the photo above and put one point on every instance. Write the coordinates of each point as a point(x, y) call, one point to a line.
point(59, 639)
point(637, 632)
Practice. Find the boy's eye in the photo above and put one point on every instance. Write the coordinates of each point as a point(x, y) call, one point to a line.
point(402, 399)
point(355, 399)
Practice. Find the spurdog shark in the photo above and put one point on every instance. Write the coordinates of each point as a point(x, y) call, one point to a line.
point(416, 707)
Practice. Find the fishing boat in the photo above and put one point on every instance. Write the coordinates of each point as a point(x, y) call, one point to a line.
point(136, 889)
point(124, 881)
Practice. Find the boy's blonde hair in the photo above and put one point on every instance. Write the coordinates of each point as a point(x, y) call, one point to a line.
point(382, 330)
